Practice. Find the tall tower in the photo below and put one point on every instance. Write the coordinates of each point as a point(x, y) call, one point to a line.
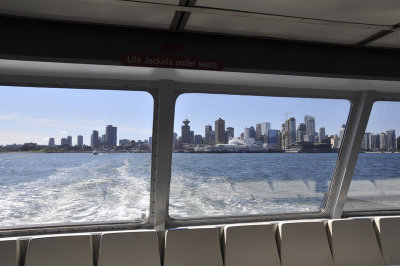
point(80, 140)
point(321, 134)
point(310, 127)
point(95, 139)
point(291, 130)
point(208, 134)
point(301, 131)
point(111, 136)
point(185, 132)
point(229, 134)
point(341, 134)
point(220, 131)
point(52, 142)
point(69, 138)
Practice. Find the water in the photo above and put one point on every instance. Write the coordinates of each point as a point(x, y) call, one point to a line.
point(38, 188)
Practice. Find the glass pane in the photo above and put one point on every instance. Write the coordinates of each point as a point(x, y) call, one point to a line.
point(376, 180)
point(71, 155)
point(246, 155)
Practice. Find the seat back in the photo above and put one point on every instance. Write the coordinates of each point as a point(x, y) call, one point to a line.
point(71, 250)
point(304, 243)
point(389, 238)
point(194, 247)
point(250, 245)
point(135, 248)
point(9, 252)
point(354, 242)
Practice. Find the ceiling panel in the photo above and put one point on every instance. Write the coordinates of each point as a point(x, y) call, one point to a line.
point(276, 29)
point(392, 40)
point(116, 12)
point(381, 12)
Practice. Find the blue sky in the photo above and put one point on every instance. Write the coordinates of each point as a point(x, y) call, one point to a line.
point(35, 114)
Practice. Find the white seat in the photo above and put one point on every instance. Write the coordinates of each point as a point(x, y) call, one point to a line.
point(353, 242)
point(304, 243)
point(389, 238)
point(250, 245)
point(71, 250)
point(192, 247)
point(9, 252)
point(134, 248)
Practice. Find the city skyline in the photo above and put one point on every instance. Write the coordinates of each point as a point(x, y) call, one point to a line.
point(36, 114)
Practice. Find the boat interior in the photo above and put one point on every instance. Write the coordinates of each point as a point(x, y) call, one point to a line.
point(306, 49)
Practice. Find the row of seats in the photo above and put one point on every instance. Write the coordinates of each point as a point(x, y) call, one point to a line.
point(314, 242)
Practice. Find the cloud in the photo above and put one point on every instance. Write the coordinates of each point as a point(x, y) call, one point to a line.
point(62, 132)
point(9, 117)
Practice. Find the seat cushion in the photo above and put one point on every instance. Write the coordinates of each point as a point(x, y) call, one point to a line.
point(389, 238)
point(9, 252)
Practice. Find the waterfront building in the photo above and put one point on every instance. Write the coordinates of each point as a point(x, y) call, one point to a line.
point(241, 136)
point(262, 130)
point(95, 139)
point(391, 140)
point(191, 137)
point(383, 142)
point(334, 141)
point(246, 133)
point(366, 143)
point(150, 141)
point(185, 132)
point(69, 138)
point(124, 142)
point(111, 136)
point(341, 134)
point(283, 136)
point(198, 139)
point(310, 127)
point(321, 135)
point(52, 143)
point(229, 134)
point(301, 132)
point(207, 135)
point(273, 139)
point(80, 140)
point(252, 132)
point(220, 131)
point(290, 130)
point(64, 142)
point(377, 142)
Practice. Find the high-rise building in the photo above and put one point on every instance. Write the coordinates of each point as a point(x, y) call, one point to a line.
point(310, 127)
point(258, 131)
point(383, 142)
point(207, 135)
point(198, 139)
point(80, 140)
point(265, 127)
point(283, 141)
point(185, 134)
point(95, 139)
point(246, 133)
point(150, 141)
point(366, 142)
point(64, 142)
point(341, 134)
point(52, 143)
point(229, 134)
point(301, 131)
point(252, 132)
point(391, 140)
point(241, 136)
point(272, 139)
point(111, 136)
point(69, 138)
point(321, 135)
point(220, 131)
point(291, 130)
point(398, 143)
point(191, 137)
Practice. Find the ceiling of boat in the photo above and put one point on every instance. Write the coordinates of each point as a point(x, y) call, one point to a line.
point(351, 22)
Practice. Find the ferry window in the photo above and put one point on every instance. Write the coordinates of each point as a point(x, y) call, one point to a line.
point(376, 180)
point(69, 155)
point(239, 155)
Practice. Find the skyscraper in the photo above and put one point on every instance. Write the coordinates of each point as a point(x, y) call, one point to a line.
point(252, 132)
point(310, 127)
point(111, 136)
point(341, 134)
point(191, 137)
point(246, 133)
point(185, 132)
point(383, 142)
point(64, 142)
point(220, 131)
point(272, 139)
point(207, 135)
point(69, 138)
point(51, 142)
point(391, 140)
point(321, 135)
point(301, 131)
point(95, 139)
point(80, 140)
point(198, 139)
point(291, 130)
point(229, 134)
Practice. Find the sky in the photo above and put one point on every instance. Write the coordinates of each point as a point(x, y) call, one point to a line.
point(36, 114)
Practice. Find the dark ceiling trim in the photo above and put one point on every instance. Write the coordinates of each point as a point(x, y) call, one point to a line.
point(181, 17)
point(378, 36)
point(52, 41)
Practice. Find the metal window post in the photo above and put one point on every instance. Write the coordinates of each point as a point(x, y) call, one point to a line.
point(163, 154)
point(348, 156)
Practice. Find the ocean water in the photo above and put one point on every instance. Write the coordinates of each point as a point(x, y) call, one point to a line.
point(38, 188)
